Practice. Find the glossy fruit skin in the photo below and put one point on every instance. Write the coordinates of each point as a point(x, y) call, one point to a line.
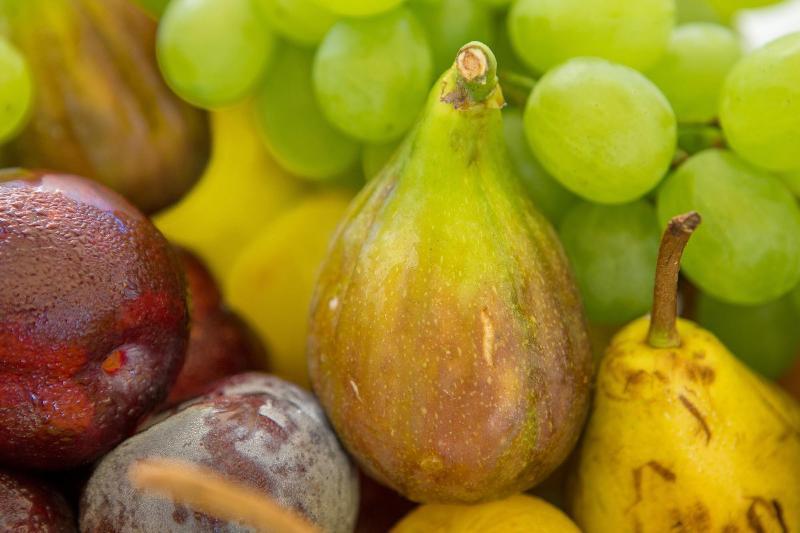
point(252, 428)
point(220, 343)
point(93, 328)
point(29, 506)
point(447, 341)
point(101, 108)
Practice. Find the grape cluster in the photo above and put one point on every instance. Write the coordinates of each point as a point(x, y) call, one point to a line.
point(622, 113)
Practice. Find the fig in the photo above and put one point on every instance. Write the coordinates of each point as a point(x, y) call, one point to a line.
point(447, 341)
point(252, 429)
point(27, 505)
point(220, 343)
point(101, 108)
point(93, 319)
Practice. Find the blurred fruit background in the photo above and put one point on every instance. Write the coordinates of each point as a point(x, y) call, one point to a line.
point(244, 129)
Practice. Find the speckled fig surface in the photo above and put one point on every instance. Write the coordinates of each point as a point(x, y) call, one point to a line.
point(251, 428)
point(447, 339)
point(93, 319)
point(27, 505)
point(220, 342)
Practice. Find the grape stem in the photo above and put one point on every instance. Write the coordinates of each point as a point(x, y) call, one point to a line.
point(516, 87)
point(663, 330)
point(476, 71)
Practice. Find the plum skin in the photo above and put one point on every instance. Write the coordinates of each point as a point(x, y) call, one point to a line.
point(93, 319)
point(251, 428)
point(28, 505)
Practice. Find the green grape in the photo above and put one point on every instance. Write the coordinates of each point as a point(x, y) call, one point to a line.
point(549, 196)
point(449, 24)
point(765, 337)
point(695, 11)
point(154, 7)
point(747, 251)
point(296, 132)
point(727, 8)
point(375, 156)
point(603, 130)
point(760, 105)
point(792, 181)
point(546, 33)
point(16, 91)
point(371, 76)
point(358, 8)
point(507, 58)
point(795, 297)
point(300, 21)
point(213, 52)
point(693, 138)
point(613, 251)
point(692, 71)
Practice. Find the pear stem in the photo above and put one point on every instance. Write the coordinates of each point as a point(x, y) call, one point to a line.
point(208, 492)
point(476, 69)
point(663, 331)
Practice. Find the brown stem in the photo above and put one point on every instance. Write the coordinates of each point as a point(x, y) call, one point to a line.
point(210, 493)
point(663, 332)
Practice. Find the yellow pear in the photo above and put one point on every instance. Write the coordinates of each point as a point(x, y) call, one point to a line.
point(682, 436)
point(517, 514)
point(242, 190)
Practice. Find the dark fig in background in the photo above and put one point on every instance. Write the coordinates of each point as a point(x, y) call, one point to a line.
point(447, 340)
point(101, 108)
point(93, 319)
point(220, 343)
point(28, 505)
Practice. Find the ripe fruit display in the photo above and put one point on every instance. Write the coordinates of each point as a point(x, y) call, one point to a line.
point(93, 67)
point(93, 319)
point(429, 221)
point(252, 428)
point(446, 278)
point(220, 343)
point(696, 438)
point(29, 505)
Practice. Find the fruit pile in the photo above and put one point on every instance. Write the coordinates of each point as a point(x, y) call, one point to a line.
point(301, 265)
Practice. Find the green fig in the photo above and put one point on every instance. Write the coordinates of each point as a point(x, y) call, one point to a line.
point(682, 436)
point(101, 108)
point(447, 341)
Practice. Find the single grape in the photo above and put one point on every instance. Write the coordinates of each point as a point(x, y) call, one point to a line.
point(300, 21)
point(375, 156)
point(792, 181)
point(546, 33)
point(449, 24)
point(760, 105)
point(727, 8)
point(765, 337)
point(296, 132)
point(693, 138)
point(603, 130)
point(747, 251)
point(358, 8)
point(549, 196)
point(613, 251)
point(371, 76)
point(16, 90)
point(695, 11)
point(693, 69)
point(212, 53)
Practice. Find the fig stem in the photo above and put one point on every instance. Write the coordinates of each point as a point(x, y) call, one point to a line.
point(476, 70)
point(208, 492)
point(663, 330)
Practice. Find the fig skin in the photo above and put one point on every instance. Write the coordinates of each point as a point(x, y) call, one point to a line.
point(101, 108)
point(447, 341)
point(93, 319)
point(251, 428)
point(29, 506)
point(220, 343)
